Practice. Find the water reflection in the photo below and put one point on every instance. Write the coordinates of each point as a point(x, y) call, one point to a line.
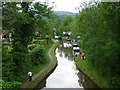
point(66, 75)
point(81, 79)
point(66, 51)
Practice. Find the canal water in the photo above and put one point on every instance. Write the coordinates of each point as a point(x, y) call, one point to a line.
point(66, 74)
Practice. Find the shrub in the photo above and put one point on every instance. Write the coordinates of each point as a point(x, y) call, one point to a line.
point(7, 64)
point(9, 85)
point(38, 55)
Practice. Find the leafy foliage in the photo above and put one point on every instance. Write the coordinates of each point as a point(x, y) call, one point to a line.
point(98, 27)
point(23, 20)
point(9, 85)
point(38, 56)
point(65, 24)
point(7, 63)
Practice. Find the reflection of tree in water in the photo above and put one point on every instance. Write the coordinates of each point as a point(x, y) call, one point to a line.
point(85, 82)
point(61, 55)
point(74, 67)
point(67, 52)
point(81, 79)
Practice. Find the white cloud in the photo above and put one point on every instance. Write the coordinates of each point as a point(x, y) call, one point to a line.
point(65, 5)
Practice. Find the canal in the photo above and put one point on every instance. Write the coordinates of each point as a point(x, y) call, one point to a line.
point(66, 74)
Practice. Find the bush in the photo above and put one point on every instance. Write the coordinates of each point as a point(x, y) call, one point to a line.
point(38, 56)
point(10, 85)
point(7, 64)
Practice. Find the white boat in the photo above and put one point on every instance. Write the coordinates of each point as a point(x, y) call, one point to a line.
point(67, 45)
point(76, 51)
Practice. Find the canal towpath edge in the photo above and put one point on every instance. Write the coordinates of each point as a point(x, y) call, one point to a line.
point(48, 68)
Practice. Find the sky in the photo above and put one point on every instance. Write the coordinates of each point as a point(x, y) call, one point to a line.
point(69, 5)
point(64, 5)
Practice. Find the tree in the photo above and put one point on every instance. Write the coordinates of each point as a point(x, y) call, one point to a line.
point(66, 24)
point(98, 27)
point(21, 19)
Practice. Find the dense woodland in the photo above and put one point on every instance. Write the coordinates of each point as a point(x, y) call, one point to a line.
point(31, 24)
point(98, 25)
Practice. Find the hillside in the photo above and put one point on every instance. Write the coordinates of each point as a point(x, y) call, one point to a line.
point(62, 14)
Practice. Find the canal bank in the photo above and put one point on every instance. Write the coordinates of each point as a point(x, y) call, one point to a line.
point(45, 71)
point(85, 74)
point(90, 72)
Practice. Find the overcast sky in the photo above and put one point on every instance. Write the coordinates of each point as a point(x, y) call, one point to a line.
point(64, 5)
point(69, 5)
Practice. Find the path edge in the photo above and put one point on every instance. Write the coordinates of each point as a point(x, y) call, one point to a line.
point(49, 70)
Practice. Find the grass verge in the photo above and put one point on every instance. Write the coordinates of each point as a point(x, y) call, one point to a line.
point(91, 72)
point(34, 83)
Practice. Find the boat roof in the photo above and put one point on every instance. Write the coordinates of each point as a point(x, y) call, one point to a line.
point(76, 48)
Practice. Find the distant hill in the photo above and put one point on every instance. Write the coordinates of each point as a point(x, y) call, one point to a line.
point(62, 14)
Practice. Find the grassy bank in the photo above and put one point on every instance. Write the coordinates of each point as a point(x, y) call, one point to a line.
point(34, 83)
point(91, 72)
